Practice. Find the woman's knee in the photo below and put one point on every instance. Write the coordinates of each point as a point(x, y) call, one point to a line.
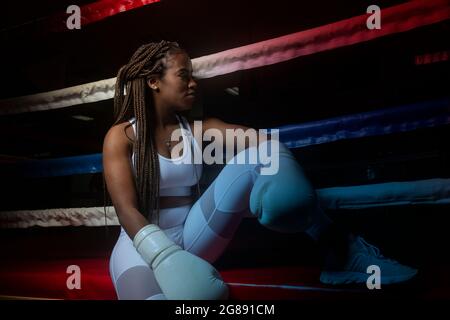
point(284, 201)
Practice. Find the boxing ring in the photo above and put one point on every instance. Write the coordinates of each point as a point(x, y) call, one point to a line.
point(47, 278)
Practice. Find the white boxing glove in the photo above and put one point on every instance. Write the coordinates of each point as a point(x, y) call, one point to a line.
point(180, 274)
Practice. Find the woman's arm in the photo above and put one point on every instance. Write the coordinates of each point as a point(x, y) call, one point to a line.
point(240, 140)
point(120, 180)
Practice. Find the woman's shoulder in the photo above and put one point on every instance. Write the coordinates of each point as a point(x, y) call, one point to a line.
point(121, 133)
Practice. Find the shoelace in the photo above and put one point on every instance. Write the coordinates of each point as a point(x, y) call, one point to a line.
point(374, 251)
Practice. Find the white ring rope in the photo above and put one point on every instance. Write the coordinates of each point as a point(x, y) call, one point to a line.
point(421, 192)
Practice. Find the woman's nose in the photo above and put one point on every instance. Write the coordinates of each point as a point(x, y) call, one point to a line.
point(192, 83)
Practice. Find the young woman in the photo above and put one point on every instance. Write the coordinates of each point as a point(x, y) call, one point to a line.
point(168, 240)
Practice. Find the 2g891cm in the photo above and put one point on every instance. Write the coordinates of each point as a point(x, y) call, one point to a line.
point(246, 309)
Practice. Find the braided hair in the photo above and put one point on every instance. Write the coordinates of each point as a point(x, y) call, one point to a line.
point(132, 98)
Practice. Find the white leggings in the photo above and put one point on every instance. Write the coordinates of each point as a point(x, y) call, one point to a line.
point(205, 229)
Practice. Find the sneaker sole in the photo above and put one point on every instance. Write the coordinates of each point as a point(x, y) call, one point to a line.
point(335, 278)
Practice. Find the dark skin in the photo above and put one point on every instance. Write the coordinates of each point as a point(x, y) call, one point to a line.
point(171, 94)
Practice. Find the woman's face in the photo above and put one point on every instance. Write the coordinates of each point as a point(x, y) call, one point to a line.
point(177, 88)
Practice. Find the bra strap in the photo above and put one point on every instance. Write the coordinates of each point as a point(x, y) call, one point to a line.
point(191, 147)
point(182, 120)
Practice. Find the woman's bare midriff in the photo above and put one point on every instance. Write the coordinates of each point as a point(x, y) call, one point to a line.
point(175, 201)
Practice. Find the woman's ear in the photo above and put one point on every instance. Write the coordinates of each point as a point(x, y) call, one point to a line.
point(153, 83)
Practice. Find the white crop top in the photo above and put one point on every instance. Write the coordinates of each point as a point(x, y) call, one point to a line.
point(177, 175)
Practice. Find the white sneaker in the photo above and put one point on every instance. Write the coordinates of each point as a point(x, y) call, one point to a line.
point(354, 270)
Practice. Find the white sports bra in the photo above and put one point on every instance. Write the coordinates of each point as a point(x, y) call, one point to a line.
point(177, 175)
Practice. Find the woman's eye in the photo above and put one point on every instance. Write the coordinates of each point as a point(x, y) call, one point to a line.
point(185, 76)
